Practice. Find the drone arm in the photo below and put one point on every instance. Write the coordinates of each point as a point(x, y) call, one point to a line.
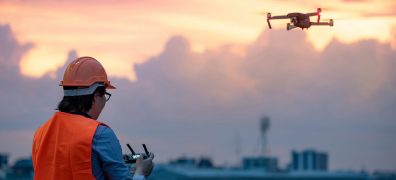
point(317, 13)
point(279, 17)
point(269, 17)
point(321, 24)
point(312, 14)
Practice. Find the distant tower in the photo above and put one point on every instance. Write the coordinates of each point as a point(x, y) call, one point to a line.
point(264, 127)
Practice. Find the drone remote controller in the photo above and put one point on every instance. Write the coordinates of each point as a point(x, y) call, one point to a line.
point(131, 158)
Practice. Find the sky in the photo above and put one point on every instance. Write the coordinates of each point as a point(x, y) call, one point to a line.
point(182, 68)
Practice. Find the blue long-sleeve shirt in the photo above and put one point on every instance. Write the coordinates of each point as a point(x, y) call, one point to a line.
point(107, 162)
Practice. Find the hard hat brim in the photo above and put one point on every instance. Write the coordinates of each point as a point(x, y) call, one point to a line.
point(109, 86)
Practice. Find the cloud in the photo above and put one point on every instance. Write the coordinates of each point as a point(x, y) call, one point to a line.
point(10, 49)
point(70, 57)
point(183, 102)
point(331, 100)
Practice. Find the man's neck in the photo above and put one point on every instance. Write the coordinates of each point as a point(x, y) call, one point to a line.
point(82, 114)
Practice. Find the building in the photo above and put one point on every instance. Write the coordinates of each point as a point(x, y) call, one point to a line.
point(23, 168)
point(3, 166)
point(184, 161)
point(268, 164)
point(203, 162)
point(3, 161)
point(309, 160)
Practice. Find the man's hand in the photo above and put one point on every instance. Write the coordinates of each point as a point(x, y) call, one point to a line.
point(144, 166)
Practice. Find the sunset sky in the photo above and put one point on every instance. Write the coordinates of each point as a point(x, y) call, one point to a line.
point(182, 68)
point(130, 31)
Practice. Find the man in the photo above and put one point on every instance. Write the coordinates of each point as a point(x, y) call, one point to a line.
point(72, 144)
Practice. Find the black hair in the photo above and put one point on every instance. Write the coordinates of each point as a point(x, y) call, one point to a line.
point(78, 104)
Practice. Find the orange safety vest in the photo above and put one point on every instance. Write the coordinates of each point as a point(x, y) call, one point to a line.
point(62, 147)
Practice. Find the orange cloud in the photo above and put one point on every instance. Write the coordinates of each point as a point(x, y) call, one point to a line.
point(128, 32)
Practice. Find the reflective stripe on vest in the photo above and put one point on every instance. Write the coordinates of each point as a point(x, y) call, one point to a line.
point(62, 147)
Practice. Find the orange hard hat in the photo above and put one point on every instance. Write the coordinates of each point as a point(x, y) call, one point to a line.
point(84, 72)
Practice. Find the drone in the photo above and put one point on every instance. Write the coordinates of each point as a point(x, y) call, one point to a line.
point(300, 20)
